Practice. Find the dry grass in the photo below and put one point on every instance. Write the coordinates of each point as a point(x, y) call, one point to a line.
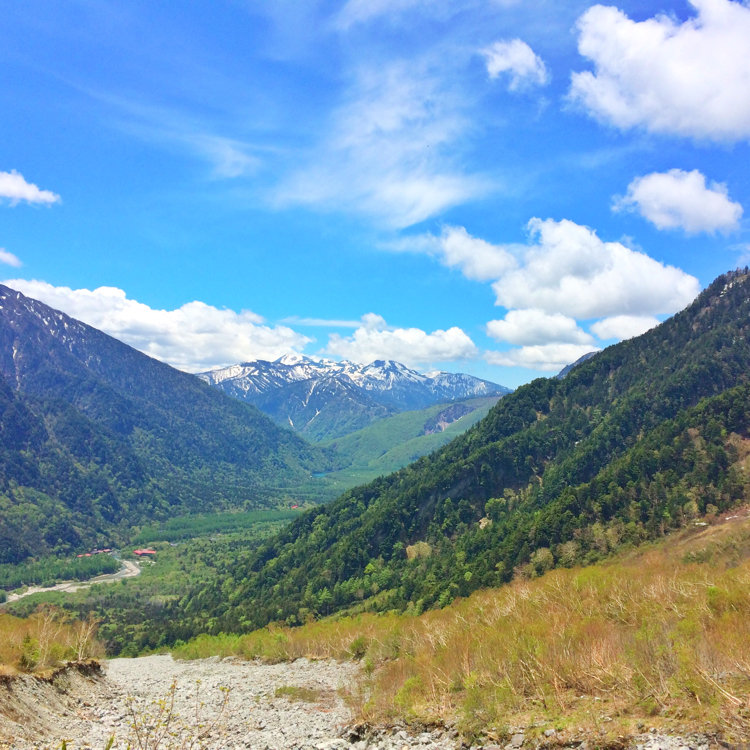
point(44, 640)
point(660, 638)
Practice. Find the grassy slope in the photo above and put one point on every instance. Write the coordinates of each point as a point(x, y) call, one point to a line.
point(388, 444)
point(658, 636)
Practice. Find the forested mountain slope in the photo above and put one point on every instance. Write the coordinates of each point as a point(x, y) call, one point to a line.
point(636, 440)
point(95, 435)
point(388, 444)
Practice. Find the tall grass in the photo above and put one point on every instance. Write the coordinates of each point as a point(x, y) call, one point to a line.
point(44, 640)
point(660, 639)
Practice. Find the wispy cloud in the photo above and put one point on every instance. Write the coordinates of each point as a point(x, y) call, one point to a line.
point(516, 60)
point(9, 259)
point(390, 151)
point(174, 129)
point(357, 12)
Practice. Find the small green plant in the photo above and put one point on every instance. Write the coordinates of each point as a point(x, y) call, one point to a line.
point(358, 647)
point(298, 693)
point(162, 727)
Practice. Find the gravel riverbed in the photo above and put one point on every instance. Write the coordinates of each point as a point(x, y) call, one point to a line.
point(226, 704)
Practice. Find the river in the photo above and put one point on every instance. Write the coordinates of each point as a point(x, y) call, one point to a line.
point(129, 569)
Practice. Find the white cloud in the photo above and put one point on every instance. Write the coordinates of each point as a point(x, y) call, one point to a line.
point(14, 187)
point(546, 357)
point(9, 259)
point(321, 322)
point(518, 60)
point(690, 79)
point(681, 200)
point(533, 327)
point(624, 326)
point(412, 346)
point(476, 258)
point(390, 152)
point(571, 271)
point(194, 337)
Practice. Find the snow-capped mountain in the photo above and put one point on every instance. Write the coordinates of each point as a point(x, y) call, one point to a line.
point(323, 398)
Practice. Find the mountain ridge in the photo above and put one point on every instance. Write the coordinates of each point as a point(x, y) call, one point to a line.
point(324, 399)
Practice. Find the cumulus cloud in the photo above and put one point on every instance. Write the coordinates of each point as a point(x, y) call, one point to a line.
point(515, 58)
point(321, 322)
point(412, 346)
point(569, 270)
point(690, 79)
point(194, 337)
point(624, 326)
point(535, 327)
point(476, 258)
point(681, 200)
point(9, 259)
point(389, 152)
point(546, 357)
point(15, 188)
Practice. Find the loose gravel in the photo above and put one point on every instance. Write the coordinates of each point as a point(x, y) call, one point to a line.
point(234, 703)
point(226, 704)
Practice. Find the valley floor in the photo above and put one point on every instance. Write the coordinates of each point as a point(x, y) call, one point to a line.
point(129, 569)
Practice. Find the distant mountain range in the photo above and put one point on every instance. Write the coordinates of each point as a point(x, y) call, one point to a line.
point(323, 399)
point(96, 437)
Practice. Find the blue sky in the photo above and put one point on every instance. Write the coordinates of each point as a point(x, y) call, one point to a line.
point(492, 186)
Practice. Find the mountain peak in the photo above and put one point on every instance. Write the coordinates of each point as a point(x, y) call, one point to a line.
point(291, 359)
